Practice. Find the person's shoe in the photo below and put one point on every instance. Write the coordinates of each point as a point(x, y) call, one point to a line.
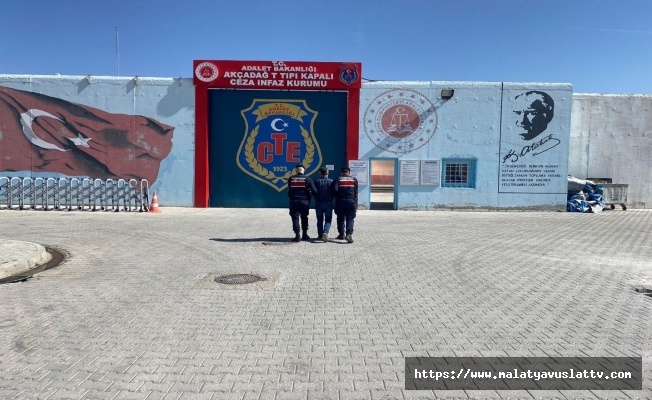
point(324, 237)
point(297, 238)
point(349, 238)
point(340, 236)
point(305, 236)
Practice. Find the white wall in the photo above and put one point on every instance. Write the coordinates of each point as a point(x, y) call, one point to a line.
point(605, 136)
point(611, 137)
point(477, 123)
point(168, 101)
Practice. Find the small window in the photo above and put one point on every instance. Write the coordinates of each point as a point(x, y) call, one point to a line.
point(458, 173)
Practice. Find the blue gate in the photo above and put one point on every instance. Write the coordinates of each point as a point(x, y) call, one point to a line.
point(257, 137)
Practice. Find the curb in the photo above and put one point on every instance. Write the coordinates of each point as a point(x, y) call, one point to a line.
point(18, 257)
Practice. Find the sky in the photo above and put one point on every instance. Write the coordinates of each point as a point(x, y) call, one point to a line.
point(598, 46)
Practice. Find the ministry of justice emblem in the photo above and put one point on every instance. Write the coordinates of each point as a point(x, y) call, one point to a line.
point(400, 121)
point(278, 136)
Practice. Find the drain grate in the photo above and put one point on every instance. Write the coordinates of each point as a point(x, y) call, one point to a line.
point(238, 279)
point(58, 256)
point(14, 279)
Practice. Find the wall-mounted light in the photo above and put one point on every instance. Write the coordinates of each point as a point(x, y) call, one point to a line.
point(447, 93)
point(136, 80)
point(88, 79)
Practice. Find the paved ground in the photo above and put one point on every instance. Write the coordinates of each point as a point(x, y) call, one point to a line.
point(133, 312)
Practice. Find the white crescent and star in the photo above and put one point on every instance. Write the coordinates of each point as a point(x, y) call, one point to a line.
point(275, 121)
point(27, 119)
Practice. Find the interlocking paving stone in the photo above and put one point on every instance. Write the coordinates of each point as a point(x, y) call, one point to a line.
point(126, 317)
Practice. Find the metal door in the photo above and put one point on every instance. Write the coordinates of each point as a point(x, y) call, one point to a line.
point(257, 137)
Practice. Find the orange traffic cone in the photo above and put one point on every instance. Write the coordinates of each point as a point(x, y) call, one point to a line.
point(154, 207)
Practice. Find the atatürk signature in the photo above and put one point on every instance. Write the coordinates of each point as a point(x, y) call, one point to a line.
point(541, 146)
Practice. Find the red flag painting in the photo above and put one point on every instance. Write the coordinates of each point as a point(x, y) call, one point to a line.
point(41, 133)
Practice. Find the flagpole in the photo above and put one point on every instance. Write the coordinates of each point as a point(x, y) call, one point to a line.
point(117, 53)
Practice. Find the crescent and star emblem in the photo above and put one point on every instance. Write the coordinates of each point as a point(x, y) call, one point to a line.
point(27, 119)
point(274, 122)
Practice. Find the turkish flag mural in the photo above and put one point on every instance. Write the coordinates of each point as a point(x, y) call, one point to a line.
point(40, 133)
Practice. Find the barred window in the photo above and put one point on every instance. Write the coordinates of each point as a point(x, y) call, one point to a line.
point(458, 173)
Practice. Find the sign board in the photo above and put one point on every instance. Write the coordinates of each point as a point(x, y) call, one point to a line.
point(409, 172)
point(360, 170)
point(430, 173)
point(290, 75)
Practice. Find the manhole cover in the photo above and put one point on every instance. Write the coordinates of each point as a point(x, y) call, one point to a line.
point(238, 279)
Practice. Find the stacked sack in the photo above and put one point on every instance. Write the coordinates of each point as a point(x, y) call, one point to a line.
point(588, 199)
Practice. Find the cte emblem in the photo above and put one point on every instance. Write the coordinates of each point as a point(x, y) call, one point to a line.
point(278, 136)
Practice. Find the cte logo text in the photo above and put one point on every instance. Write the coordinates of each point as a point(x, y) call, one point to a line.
point(267, 150)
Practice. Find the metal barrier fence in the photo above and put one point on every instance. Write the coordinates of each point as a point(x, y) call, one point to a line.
point(74, 194)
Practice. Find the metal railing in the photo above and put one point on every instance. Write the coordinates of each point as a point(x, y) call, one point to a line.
point(74, 194)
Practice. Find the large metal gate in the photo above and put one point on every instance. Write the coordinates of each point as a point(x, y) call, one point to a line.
point(258, 136)
point(73, 194)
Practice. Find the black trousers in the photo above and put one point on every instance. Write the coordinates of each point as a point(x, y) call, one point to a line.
point(299, 210)
point(345, 210)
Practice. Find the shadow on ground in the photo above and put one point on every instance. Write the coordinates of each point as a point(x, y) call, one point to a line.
point(260, 239)
point(273, 241)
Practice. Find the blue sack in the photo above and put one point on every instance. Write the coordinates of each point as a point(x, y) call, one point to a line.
point(578, 206)
point(595, 197)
